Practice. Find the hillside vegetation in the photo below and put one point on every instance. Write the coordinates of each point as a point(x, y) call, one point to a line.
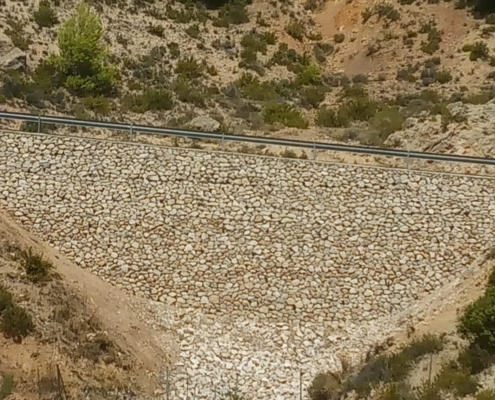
point(457, 364)
point(354, 70)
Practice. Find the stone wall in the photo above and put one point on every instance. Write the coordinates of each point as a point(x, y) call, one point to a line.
point(248, 236)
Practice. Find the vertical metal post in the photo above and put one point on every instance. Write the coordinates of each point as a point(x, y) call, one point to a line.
point(223, 143)
point(39, 123)
point(314, 151)
point(300, 384)
point(131, 132)
point(430, 370)
point(168, 383)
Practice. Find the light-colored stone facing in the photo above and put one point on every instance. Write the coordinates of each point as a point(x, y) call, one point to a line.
point(297, 262)
point(248, 236)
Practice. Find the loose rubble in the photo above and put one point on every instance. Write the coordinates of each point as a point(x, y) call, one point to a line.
point(280, 251)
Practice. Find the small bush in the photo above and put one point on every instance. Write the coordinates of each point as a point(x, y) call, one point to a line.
point(310, 75)
point(8, 385)
point(16, 323)
point(443, 76)
point(296, 29)
point(156, 30)
point(385, 122)
point(398, 391)
point(478, 322)
point(313, 96)
point(99, 105)
point(5, 299)
point(36, 267)
point(388, 11)
point(389, 368)
point(339, 38)
point(193, 31)
point(329, 118)
point(475, 359)
point(285, 114)
point(45, 16)
point(477, 50)
point(324, 387)
point(189, 68)
point(456, 381)
point(490, 19)
point(149, 100)
point(487, 394)
point(234, 12)
point(322, 51)
point(433, 41)
point(188, 92)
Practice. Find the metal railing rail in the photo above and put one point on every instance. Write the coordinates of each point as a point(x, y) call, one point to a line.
point(315, 146)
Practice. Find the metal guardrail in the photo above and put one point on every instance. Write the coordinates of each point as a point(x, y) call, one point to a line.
point(151, 130)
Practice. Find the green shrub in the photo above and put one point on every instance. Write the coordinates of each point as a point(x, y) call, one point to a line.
point(313, 96)
point(339, 38)
point(150, 100)
point(475, 359)
point(443, 76)
point(478, 322)
point(285, 114)
point(193, 31)
point(5, 299)
point(360, 108)
point(394, 367)
point(387, 121)
point(388, 11)
point(456, 381)
point(234, 12)
point(37, 269)
point(433, 41)
point(407, 73)
point(324, 387)
point(83, 59)
point(477, 50)
point(490, 19)
point(174, 49)
point(329, 118)
point(16, 33)
point(252, 88)
point(487, 394)
point(310, 75)
point(16, 323)
point(156, 30)
point(290, 58)
point(45, 16)
point(296, 29)
point(322, 51)
point(99, 105)
point(8, 386)
point(188, 92)
point(189, 68)
point(398, 391)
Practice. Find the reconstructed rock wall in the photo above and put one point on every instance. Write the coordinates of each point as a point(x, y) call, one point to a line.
point(248, 236)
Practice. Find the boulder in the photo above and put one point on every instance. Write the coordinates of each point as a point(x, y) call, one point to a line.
point(11, 58)
point(205, 124)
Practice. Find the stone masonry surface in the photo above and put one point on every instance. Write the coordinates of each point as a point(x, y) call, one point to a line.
point(237, 235)
point(273, 266)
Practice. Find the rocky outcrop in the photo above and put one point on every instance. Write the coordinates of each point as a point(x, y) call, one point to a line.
point(11, 58)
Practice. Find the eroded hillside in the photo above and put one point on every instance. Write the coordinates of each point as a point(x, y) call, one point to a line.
point(346, 71)
point(62, 333)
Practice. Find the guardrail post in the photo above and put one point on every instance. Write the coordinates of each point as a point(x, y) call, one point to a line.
point(314, 151)
point(130, 132)
point(223, 143)
point(39, 123)
point(408, 160)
